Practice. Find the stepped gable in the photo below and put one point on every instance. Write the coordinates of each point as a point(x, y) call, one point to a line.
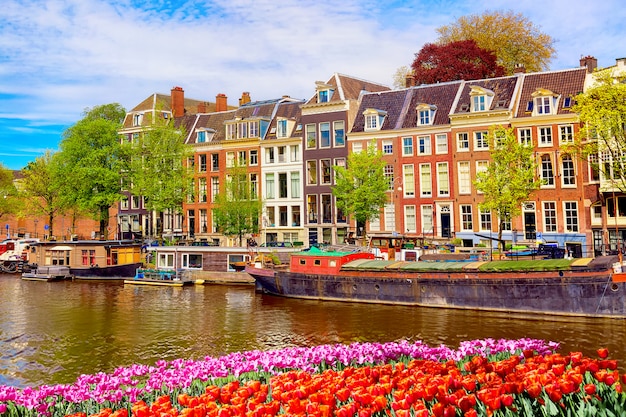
point(502, 87)
point(441, 96)
point(391, 102)
point(565, 83)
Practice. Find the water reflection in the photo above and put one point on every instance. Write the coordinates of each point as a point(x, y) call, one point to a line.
point(52, 332)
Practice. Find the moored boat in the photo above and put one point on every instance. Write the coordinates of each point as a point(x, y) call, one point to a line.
point(159, 277)
point(583, 286)
point(89, 259)
point(47, 273)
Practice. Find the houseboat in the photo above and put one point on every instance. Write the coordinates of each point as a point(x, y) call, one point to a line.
point(583, 286)
point(88, 259)
point(47, 273)
point(14, 254)
point(160, 277)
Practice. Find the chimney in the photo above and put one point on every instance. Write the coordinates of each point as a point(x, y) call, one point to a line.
point(245, 98)
point(221, 102)
point(202, 107)
point(590, 62)
point(519, 69)
point(409, 80)
point(178, 101)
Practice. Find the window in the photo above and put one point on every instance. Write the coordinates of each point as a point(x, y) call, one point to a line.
point(464, 177)
point(254, 186)
point(480, 141)
point(202, 190)
point(324, 96)
point(202, 163)
point(215, 187)
point(271, 216)
point(339, 133)
point(282, 185)
point(524, 136)
point(215, 162)
point(462, 141)
point(269, 186)
point(325, 135)
point(387, 147)
point(594, 172)
point(566, 134)
point(295, 153)
point(230, 131)
point(327, 216)
point(295, 216)
point(241, 158)
point(409, 219)
point(357, 147)
point(478, 103)
point(547, 173)
point(443, 183)
point(326, 171)
point(295, 184)
point(545, 136)
point(542, 104)
point(269, 155)
point(254, 129)
point(549, 216)
point(88, 257)
point(427, 219)
point(567, 171)
point(571, 216)
point(374, 119)
point(481, 166)
point(311, 170)
point(409, 180)
point(192, 260)
point(230, 159)
point(425, 114)
point(135, 202)
point(311, 136)
point(254, 157)
point(441, 141)
point(339, 162)
point(485, 220)
point(388, 171)
point(124, 203)
point(242, 130)
point(281, 131)
point(282, 216)
point(407, 146)
point(424, 145)
point(166, 260)
point(137, 119)
point(201, 136)
point(311, 203)
point(282, 157)
point(466, 217)
point(426, 183)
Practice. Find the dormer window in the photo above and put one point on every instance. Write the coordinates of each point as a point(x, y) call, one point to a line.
point(205, 135)
point(374, 119)
point(480, 98)
point(425, 114)
point(137, 119)
point(324, 92)
point(543, 102)
point(282, 128)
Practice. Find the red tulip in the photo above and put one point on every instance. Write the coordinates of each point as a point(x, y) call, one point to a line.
point(590, 389)
point(603, 353)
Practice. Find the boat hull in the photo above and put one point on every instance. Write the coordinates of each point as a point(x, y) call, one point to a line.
point(158, 282)
point(116, 272)
point(585, 293)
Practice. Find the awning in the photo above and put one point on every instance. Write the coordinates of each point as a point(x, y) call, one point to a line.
point(61, 247)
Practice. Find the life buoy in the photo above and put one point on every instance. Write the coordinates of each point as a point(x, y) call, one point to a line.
point(109, 228)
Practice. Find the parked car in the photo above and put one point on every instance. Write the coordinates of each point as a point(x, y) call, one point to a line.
point(277, 245)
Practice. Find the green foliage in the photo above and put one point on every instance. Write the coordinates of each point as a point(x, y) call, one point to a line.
point(42, 186)
point(158, 171)
point(361, 187)
point(91, 162)
point(510, 177)
point(9, 201)
point(602, 110)
point(237, 207)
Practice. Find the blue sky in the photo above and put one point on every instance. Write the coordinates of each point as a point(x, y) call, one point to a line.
point(59, 57)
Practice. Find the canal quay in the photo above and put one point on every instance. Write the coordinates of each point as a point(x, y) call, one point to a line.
point(52, 332)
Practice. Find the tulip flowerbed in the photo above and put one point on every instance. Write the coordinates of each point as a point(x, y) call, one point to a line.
point(505, 378)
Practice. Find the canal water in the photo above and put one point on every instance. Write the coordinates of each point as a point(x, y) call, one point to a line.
point(53, 332)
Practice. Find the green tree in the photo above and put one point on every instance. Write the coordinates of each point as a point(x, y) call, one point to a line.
point(399, 77)
point(158, 169)
point(92, 159)
point(509, 179)
point(361, 187)
point(237, 208)
point(511, 36)
point(42, 186)
point(10, 203)
point(602, 111)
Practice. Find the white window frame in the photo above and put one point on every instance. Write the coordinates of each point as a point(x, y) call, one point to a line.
point(566, 134)
point(387, 146)
point(481, 141)
point(545, 136)
point(408, 179)
point(410, 219)
point(426, 180)
point(550, 220)
point(424, 146)
point(441, 144)
point(464, 177)
point(570, 216)
point(443, 179)
point(407, 146)
point(462, 142)
point(525, 136)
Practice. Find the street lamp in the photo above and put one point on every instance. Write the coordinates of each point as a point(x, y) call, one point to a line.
point(36, 221)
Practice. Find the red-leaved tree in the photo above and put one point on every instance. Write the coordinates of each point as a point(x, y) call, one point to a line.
point(462, 60)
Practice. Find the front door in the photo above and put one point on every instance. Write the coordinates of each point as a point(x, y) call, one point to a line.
point(445, 225)
point(530, 226)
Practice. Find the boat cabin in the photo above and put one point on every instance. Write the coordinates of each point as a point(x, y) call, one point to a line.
point(85, 253)
point(396, 247)
point(317, 261)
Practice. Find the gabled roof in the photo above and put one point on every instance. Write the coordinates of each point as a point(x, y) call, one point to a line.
point(565, 83)
point(290, 110)
point(442, 96)
point(391, 102)
point(348, 88)
point(502, 87)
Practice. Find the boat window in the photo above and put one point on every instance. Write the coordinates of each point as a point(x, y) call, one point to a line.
point(332, 263)
point(237, 262)
point(317, 262)
point(192, 260)
point(302, 261)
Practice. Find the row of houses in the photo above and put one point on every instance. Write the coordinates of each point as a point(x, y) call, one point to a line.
point(433, 139)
